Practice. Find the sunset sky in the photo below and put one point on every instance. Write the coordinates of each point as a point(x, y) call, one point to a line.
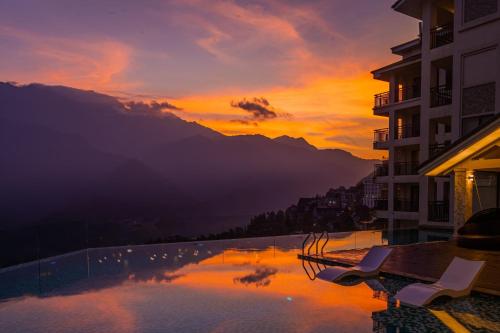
point(271, 67)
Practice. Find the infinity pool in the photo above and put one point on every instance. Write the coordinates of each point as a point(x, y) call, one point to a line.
point(251, 285)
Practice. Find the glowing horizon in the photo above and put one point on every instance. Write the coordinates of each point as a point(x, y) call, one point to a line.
point(307, 62)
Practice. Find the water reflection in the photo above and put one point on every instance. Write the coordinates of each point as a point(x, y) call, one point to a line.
point(260, 278)
point(250, 285)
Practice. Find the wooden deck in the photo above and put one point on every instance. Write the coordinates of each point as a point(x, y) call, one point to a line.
point(424, 261)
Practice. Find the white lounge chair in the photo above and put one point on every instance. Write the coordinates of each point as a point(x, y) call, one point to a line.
point(369, 266)
point(456, 281)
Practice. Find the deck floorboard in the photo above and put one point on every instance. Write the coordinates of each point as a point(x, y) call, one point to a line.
point(425, 261)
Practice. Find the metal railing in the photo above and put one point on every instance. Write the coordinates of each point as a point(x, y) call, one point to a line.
point(407, 131)
point(441, 35)
point(401, 94)
point(381, 170)
point(441, 95)
point(407, 92)
point(315, 243)
point(381, 135)
point(406, 168)
point(381, 204)
point(436, 149)
point(382, 99)
point(439, 211)
point(405, 205)
point(381, 138)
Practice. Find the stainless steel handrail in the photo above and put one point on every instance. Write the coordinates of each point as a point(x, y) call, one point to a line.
point(327, 239)
point(317, 242)
point(307, 271)
point(312, 243)
point(304, 243)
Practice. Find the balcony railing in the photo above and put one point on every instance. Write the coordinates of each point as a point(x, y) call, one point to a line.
point(439, 211)
point(380, 138)
point(404, 205)
point(407, 92)
point(436, 149)
point(441, 35)
point(407, 131)
point(406, 168)
point(381, 170)
point(382, 99)
point(381, 204)
point(440, 95)
point(381, 135)
point(402, 94)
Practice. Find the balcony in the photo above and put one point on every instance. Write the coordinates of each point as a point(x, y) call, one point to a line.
point(439, 211)
point(407, 131)
point(440, 95)
point(408, 92)
point(381, 170)
point(381, 204)
point(381, 138)
point(381, 100)
point(441, 35)
point(401, 94)
point(406, 168)
point(405, 205)
point(436, 149)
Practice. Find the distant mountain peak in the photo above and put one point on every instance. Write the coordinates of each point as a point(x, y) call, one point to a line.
point(294, 142)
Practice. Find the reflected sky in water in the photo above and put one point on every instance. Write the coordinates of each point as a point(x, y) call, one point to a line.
point(255, 285)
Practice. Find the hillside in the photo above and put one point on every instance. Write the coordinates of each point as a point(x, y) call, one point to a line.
point(73, 153)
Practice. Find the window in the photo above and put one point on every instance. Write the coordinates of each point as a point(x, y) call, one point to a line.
point(474, 9)
point(478, 99)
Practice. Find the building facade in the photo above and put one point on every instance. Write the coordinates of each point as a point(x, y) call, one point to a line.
point(444, 88)
point(371, 191)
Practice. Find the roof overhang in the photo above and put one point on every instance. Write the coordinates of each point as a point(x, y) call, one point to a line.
point(411, 8)
point(464, 150)
point(404, 48)
point(383, 72)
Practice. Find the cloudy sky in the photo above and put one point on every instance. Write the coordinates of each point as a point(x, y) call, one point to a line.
point(272, 67)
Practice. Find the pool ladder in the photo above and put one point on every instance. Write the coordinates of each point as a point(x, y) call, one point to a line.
point(315, 243)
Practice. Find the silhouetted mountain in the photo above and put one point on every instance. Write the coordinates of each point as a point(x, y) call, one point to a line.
point(71, 152)
point(99, 119)
point(295, 142)
point(44, 172)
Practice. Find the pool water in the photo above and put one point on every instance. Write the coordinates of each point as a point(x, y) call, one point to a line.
point(251, 285)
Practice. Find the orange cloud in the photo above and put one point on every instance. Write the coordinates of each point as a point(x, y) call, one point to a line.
point(351, 305)
point(95, 64)
point(330, 112)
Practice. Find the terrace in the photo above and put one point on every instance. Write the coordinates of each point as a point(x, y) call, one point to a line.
point(402, 93)
point(439, 211)
point(381, 169)
point(441, 82)
point(437, 148)
point(406, 131)
point(406, 168)
point(419, 261)
point(441, 35)
point(381, 138)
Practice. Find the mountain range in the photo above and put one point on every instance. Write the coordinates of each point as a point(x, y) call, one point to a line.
point(68, 153)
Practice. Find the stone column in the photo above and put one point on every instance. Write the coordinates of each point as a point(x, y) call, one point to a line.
point(469, 191)
point(462, 197)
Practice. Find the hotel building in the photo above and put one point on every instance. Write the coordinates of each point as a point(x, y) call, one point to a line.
point(442, 103)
